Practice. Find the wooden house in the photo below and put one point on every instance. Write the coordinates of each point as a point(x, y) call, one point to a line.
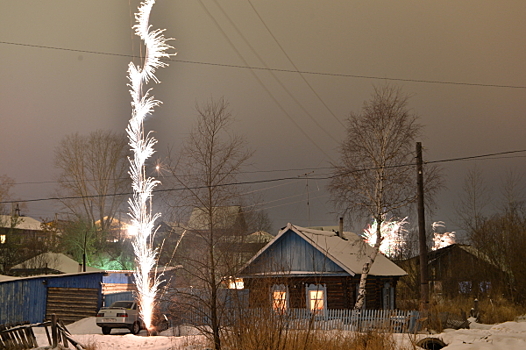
point(317, 270)
point(454, 270)
point(27, 228)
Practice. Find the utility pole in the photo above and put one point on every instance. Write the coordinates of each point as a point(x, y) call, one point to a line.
point(424, 286)
point(84, 252)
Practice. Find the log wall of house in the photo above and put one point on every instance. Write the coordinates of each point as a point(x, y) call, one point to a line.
point(341, 290)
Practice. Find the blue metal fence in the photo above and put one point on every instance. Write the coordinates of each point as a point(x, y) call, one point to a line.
point(121, 296)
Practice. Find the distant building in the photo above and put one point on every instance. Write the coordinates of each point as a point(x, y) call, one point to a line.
point(24, 227)
point(457, 269)
point(48, 264)
point(21, 237)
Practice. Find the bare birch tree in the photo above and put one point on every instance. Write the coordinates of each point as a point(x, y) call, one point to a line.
point(94, 175)
point(208, 166)
point(473, 201)
point(375, 176)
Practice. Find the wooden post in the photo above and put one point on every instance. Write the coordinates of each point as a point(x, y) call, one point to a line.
point(54, 331)
point(31, 337)
point(63, 331)
point(424, 285)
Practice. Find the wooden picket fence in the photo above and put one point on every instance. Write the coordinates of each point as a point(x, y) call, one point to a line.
point(394, 321)
point(22, 337)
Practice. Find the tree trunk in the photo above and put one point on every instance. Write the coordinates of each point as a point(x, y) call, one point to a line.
point(360, 298)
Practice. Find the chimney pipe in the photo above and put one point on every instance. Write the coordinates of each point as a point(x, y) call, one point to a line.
point(340, 232)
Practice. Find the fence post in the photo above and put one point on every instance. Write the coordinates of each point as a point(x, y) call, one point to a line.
point(64, 332)
point(54, 332)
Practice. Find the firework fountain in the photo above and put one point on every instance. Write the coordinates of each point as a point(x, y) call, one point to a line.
point(441, 238)
point(141, 144)
point(393, 234)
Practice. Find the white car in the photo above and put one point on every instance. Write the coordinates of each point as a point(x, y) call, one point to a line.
point(121, 314)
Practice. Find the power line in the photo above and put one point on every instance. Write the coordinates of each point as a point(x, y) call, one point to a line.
point(341, 75)
point(267, 90)
point(253, 182)
point(291, 62)
point(291, 95)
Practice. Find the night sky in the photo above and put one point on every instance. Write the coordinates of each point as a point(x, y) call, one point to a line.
point(63, 70)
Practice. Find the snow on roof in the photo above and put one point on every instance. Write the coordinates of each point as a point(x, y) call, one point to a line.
point(4, 278)
point(350, 252)
point(23, 223)
point(55, 261)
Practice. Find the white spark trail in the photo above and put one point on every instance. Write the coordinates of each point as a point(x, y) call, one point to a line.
point(141, 145)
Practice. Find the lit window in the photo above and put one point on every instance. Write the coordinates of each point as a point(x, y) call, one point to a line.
point(279, 298)
point(316, 298)
point(2, 239)
point(236, 283)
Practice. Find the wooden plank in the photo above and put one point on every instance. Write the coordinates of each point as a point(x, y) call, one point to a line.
point(72, 304)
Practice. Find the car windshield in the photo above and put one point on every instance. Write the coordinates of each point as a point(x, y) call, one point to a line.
point(122, 304)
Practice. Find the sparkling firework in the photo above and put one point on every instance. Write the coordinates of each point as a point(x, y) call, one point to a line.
point(142, 147)
point(393, 236)
point(444, 239)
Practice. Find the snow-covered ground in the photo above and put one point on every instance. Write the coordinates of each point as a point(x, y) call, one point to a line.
point(87, 332)
point(504, 336)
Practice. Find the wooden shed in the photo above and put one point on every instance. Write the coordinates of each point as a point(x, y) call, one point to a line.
point(70, 296)
point(318, 270)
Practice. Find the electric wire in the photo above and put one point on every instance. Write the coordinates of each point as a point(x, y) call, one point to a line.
point(292, 63)
point(267, 90)
point(252, 182)
point(224, 65)
point(290, 94)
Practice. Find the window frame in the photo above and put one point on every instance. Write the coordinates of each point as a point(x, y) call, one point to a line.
point(279, 305)
point(316, 288)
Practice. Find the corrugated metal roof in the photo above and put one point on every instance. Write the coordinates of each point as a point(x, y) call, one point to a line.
point(349, 253)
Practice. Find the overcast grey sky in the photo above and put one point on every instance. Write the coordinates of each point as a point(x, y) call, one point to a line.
point(461, 61)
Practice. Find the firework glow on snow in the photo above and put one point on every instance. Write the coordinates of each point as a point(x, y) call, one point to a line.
point(393, 236)
point(141, 144)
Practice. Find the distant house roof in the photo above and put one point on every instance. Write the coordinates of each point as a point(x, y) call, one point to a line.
point(23, 223)
point(54, 261)
point(298, 250)
point(225, 217)
point(437, 254)
point(259, 237)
